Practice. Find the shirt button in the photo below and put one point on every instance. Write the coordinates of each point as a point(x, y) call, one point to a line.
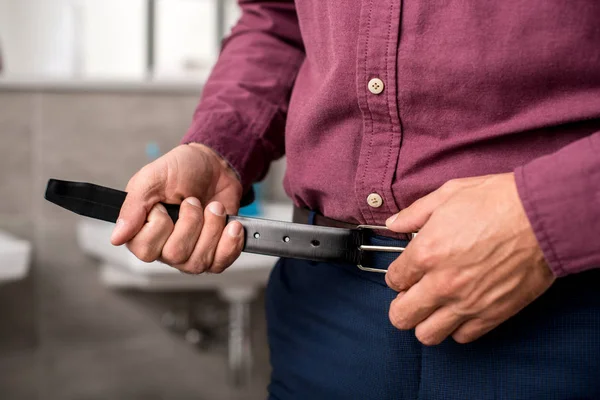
point(375, 86)
point(374, 200)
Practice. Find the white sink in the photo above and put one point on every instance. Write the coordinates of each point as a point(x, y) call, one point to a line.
point(15, 255)
point(238, 285)
point(121, 269)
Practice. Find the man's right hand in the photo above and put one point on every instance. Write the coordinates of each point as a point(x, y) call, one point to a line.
point(207, 189)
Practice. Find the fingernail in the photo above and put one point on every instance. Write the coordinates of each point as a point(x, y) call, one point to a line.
point(234, 230)
point(161, 208)
point(193, 201)
point(118, 226)
point(391, 219)
point(216, 208)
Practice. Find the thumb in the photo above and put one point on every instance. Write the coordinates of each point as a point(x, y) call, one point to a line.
point(413, 217)
point(143, 192)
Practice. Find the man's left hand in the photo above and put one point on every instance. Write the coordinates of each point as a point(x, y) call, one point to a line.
point(474, 263)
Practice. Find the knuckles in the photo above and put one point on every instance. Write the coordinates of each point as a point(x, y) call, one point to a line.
point(220, 264)
point(394, 279)
point(162, 221)
point(398, 319)
point(145, 252)
point(473, 331)
point(205, 262)
point(465, 336)
point(194, 268)
point(448, 285)
point(218, 268)
point(443, 288)
point(425, 255)
point(427, 338)
point(424, 258)
point(469, 306)
point(175, 254)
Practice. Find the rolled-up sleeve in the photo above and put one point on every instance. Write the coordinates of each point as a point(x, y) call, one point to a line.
point(561, 196)
point(243, 107)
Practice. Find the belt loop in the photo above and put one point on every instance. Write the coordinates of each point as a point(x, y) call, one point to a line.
point(311, 217)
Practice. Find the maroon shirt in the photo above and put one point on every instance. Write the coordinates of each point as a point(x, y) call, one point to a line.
point(382, 102)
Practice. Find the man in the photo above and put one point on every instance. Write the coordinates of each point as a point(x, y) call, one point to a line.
point(476, 124)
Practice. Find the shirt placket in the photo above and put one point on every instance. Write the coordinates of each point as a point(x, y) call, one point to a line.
point(376, 88)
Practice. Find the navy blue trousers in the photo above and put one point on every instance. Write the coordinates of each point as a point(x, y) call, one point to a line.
point(330, 338)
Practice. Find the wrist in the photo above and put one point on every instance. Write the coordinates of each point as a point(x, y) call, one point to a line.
point(219, 159)
point(527, 237)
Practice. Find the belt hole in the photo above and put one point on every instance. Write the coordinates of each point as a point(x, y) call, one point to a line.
point(286, 239)
point(256, 235)
point(315, 243)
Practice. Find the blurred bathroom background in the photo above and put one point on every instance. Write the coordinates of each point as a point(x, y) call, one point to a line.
point(92, 90)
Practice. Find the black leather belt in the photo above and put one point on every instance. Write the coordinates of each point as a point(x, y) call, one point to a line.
point(262, 236)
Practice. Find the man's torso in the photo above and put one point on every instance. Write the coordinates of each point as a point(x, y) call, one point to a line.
point(470, 88)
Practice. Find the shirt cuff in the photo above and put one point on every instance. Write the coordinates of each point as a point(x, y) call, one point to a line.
point(537, 223)
point(560, 193)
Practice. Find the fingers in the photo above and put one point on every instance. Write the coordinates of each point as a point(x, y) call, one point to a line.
point(402, 273)
point(472, 330)
point(180, 245)
point(229, 248)
point(147, 245)
point(194, 239)
point(412, 218)
point(198, 242)
point(216, 247)
point(438, 326)
point(413, 306)
point(483, 322)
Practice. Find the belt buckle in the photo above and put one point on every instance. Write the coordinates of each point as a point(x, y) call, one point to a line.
point(374, 248)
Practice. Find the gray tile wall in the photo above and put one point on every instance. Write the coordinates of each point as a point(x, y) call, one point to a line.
point(62, 334)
